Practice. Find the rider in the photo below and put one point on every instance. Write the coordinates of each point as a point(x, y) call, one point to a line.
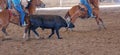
point(18, 7)
point(85, 2)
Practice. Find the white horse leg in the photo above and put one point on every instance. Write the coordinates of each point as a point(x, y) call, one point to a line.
point(25, 37)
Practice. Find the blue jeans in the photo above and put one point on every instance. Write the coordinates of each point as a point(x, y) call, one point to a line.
point(85, 2)
point(21, 12)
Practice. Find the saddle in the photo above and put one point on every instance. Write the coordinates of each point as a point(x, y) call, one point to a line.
point(14, 12)
point(84, 10)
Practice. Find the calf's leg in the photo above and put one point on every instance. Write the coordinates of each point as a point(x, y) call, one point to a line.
point(57, 32)
point(35, 32)
point(51, 33)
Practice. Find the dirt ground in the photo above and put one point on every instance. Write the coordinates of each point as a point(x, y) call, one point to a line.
point(84, 40)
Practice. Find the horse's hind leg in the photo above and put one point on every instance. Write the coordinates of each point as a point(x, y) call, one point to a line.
point(6, 34)
point(4, 31)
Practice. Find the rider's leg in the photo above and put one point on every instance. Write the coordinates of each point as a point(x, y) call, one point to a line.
point(90, 13)
point(22, 14)
point(85, 2)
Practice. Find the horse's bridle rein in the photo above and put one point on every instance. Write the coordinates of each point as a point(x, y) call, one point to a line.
point(68, 20)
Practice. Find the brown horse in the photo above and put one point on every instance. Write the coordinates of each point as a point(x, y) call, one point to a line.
point(81, 11)
point(32, 4)
point(6, 16)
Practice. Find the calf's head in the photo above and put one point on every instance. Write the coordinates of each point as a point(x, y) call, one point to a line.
point(70, 25)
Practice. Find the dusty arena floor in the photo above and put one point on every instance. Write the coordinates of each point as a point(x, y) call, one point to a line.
point(84, 40)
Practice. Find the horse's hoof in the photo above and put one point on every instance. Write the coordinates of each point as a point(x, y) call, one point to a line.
point(26, 38)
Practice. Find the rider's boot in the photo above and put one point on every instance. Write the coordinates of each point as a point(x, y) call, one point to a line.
point(23, 25)
point(92, 16)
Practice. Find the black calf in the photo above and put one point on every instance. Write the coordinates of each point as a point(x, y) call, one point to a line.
point(52, 22)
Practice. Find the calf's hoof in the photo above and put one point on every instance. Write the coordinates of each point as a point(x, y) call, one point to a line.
point(38, 37)
point(48, 37)
point(60, 38)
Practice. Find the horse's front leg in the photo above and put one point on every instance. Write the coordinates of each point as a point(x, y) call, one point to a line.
point(26, 33)
point(102, 23)
point(98, 23)
point(27, 28)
